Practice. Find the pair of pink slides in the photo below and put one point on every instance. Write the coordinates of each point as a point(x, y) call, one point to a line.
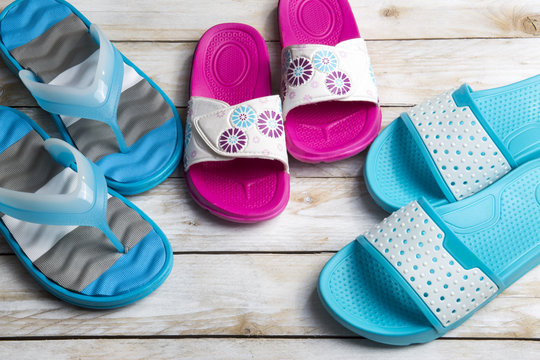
point(238, 134)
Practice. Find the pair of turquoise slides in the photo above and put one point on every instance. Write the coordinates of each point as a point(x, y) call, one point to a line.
point(464, 171)
point(463, 162)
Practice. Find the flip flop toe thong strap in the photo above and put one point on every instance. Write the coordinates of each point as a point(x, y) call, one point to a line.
point(85, 205)
point(98, 101)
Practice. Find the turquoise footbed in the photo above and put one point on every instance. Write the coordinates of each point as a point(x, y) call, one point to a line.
point(396, 172)
point(499, 225)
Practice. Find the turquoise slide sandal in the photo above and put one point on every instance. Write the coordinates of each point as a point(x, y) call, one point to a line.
point(426, 269)
point(83, 243)
point(100, 101)
point(455, 144)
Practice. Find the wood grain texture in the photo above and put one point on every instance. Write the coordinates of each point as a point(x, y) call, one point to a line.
point(351, 167)
point(249, 291)
point(323, 215)
point(407, 72)
point(240, 295)
point(264, 349)
point(171, 20)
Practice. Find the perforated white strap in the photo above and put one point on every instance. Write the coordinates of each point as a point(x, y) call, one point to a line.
point(413, 244)
point(216, 131)
point(464, 153)
point(317, 73)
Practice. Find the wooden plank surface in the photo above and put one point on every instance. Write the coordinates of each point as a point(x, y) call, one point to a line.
point(172, 20)
point(249, 291)
point(351, 167)
point(265, 349)
point(323, 214)
point(407, 72)
point(237, 294)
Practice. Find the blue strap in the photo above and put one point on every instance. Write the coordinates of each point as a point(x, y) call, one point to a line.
point(86, 205)
point(98, 101)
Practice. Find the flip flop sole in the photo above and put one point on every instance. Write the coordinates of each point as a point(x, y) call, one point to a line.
point(77, 263)
point(50, 38)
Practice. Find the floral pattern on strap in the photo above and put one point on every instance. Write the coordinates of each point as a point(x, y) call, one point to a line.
point(270, 123)
point(299, 72)
point(232, 140)
point(218, 132)
point(243, 117)
point(318, 73)
point(338, 83)
point(325, 61)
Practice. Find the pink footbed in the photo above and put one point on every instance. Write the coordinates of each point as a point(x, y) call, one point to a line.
point(332, 130)
point(231, 64)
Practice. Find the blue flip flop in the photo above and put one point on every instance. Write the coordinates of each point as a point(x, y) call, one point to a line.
point(83, 243)
point(426, 269)
point(101, 102)
point(455, 144)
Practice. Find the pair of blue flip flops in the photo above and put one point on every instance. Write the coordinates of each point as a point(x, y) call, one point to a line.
point(60, 204)
point(464, 171)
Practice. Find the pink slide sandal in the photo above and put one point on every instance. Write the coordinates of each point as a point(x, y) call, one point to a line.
point(330, 99)
point(235, 158)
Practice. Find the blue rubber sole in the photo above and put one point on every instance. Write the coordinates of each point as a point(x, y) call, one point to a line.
point(364, 294)
point(124, 188)
point(96, 302)
point(79, 299)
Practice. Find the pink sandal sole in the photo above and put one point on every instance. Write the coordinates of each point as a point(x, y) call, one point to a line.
point(231, 64)
point(328, 131)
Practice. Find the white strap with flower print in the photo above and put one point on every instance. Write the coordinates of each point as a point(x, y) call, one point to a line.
point(317, 73)
point(217, 131)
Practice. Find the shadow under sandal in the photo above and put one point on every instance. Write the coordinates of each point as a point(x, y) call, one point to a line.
point(330, 100)
point(101, 102)
point(235, 157)
point(426, 269)
point(83, 243)
point(455, 144)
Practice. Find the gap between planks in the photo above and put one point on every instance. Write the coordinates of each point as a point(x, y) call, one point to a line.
point(265, 349)
point(232, 295)
point(407, 72)
point(169, 20)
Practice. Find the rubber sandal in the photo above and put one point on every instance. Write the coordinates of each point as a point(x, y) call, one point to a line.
point(330, 100)
point(100, 101)
point(455, 144)
point(426, 269)
point(235, 160)
point(84, 244)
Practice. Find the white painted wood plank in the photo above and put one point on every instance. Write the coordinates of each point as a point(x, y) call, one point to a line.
point(407, 72)
point(173, 20)
point(322, 215)
point(264, 349)
point(263, 295)
point(351, 167)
